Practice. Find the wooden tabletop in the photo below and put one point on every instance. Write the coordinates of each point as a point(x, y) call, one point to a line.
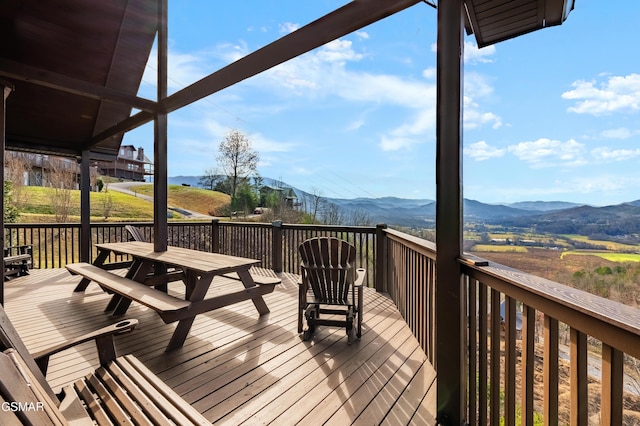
point(195, 260)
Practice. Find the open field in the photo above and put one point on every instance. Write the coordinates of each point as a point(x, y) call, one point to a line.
point(484, 248)
point(614, 257)
point(549, 264)
point(609, 245)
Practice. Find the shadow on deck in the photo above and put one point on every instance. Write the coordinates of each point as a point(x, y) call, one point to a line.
point(238, 367)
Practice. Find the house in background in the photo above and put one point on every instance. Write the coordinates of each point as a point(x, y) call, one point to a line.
point(32, 169)
point(130, 164)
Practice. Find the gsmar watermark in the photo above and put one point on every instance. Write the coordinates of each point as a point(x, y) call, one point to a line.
point(22, 406)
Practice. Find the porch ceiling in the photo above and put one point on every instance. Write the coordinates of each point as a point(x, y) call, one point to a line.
point(77, 64)
point(65, 58)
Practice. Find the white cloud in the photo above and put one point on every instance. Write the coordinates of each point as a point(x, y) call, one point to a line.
point(363, 35)
point(288, 27)
point(619, 133)
point(326, 72)
point(549, 153)
point(338, 51)
point(608, 154)
point(617, 93)
point(481, 151)
point(473, 55)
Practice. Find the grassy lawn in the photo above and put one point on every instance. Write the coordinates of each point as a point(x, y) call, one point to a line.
point(196, 199)
point(613, 257)
point(117, 206)
point(610, 245)
point(489, 248)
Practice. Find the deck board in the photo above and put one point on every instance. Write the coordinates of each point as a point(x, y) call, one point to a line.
point(237, 367)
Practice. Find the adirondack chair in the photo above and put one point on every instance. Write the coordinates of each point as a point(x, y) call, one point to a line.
point(17, 260)
point(330, 284)
point(121, 391)
point(135, 233)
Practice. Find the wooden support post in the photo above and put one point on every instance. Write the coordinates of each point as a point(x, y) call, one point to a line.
point(6, 88)
point(215, 236)
point(450, 351)
point(276, 246)
point(160, 225)
point(380, 277)
point(85, 208)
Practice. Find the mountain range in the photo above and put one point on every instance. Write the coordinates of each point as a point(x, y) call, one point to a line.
point(557, 217)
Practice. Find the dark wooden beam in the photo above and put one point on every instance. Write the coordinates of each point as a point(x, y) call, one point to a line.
point(351, 17)
point(85, 207)
point(34, 75)
point(450, 349)
point(6, 89)
point(160, 174)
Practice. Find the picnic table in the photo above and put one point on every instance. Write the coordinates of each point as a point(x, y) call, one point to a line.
point(197, 270)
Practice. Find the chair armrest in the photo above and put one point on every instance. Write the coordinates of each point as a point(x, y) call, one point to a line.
point(103, 338)
point(361, 274)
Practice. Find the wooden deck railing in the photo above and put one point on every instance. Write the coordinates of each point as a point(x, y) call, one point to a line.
point(274, 244)
point(568, 337)
point(541, 324)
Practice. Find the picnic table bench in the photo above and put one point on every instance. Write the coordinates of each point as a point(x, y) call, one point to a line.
point(197, 270)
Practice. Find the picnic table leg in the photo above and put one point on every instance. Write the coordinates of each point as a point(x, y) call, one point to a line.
point(138, 272)
point(196, 289)
point(102, 257)
point(258, 301)
point(180, 334)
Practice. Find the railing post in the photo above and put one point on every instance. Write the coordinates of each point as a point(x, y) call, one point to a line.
point(380, 278)
point(276, 245)
point(215, 236)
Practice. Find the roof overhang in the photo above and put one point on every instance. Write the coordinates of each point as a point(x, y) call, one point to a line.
point(492, 21)
point(76, 66)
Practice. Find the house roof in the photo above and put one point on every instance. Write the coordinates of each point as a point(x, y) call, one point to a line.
point(77, 64)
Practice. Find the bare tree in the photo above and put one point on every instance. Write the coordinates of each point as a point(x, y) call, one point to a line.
point(209, 179)
point(332, 215)
point(237, 159)
point(17, 167)
point(359, 217)
point(61, 178)
point(315, 202)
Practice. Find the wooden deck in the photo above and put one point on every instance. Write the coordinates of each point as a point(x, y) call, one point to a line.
point(237, 367)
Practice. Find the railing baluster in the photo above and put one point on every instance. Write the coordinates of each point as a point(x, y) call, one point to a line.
point(494, 385)
point(550, 370)
point(579, 381)
point(527, 365)
point(483, 365)
point(472, 326)
point(612, 383)
point(510, 361)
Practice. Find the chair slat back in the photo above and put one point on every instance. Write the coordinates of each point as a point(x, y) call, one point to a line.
point(24, 399)
point(136, 233)
point(328, 266)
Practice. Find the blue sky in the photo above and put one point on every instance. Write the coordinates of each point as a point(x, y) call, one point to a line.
point(552, 115)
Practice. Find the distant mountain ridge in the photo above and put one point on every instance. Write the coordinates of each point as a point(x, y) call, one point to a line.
point(545, 216)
